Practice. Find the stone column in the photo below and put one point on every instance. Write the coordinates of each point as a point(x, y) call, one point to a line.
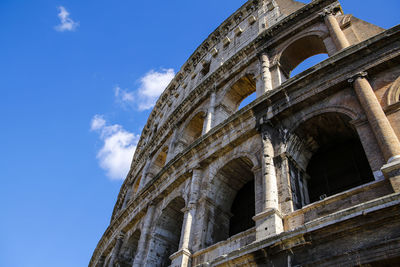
point(339, 38)
point(387, 140)
point(171, 147)
point(128, 196)
point(209, 121)
point(266, 78)
point(144, 237)
point(269, 220)
point(144, 174)
point(383, 131)
point(116, 250)
point(183, 256)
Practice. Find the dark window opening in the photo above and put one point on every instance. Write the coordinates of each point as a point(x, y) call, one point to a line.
point(336, 159)
point(243, 210)
point(336, 168)
point(168, 233)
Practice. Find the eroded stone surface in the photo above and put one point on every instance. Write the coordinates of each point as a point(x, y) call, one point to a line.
point(300, 176)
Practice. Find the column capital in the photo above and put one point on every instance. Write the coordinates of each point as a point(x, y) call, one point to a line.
point(361, 74)
point(329, 11)
point(265, 127)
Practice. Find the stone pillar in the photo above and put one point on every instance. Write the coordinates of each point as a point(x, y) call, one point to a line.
point(128, 196)
point(266, 78)
point(183, 256)
point(209, 121)
point(387, 140)
point(144, 174)
point(269, 220)
point(144, 237)
point(171, 147)
point(116, 250)
point(383, 131)
point(101, 261)
point(339, 38)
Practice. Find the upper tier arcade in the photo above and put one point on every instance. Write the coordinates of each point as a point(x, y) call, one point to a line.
point(214, 182)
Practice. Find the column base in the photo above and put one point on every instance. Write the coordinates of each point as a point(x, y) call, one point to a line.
point(391, 171)
point(181, 258)
point(268, 223)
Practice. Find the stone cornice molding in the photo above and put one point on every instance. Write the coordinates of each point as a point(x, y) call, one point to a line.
point(353, 53)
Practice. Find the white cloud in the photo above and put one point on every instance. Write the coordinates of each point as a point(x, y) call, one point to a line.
point(66, 23)
point(119, 146)
point(123, 96)
point(152, 84)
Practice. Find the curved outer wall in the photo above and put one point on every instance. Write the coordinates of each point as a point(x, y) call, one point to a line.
point(212, 185)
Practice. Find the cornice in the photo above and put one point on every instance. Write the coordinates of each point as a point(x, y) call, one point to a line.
point(214, 77)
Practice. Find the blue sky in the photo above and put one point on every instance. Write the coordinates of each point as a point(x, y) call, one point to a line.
point(77, 79)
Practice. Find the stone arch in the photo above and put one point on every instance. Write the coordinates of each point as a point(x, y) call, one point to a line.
point(193, 127)
point(300, 48)
point(166, 233)
point(393, 95)
point(235, 93)
point(158, 162)
point(129, 248)
point(136, 184)
point(232, 200)
point(333, 158)
point(347, 111)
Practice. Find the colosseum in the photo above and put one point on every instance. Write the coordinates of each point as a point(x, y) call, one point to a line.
point(307, 174)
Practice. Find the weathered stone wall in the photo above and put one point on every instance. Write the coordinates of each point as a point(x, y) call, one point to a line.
point(198, 151)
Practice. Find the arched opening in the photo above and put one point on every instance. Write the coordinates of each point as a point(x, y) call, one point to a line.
point(136, 185)
point(240, 90)
point(336, 159)
point(300, 50)
point(247, 100)
point(234, 201)
point(161, 158)
point(194, 128)
point(167, 234)
point(308, 63)
point(158, 163)
point(128, 251)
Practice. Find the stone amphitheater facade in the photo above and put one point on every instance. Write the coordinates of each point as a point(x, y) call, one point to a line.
point(307, 174)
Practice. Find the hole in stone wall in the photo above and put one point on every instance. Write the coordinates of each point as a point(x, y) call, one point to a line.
point(239, 91)
point(338, 160)
point(308, 63)
point(128, 251)
point(167, 233)
point(299, 51)
point(194, 128)
point(234, 198)
point(243, 210)
point(247, 100)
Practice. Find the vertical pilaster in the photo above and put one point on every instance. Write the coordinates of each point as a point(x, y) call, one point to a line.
point(144, 174)
point(339, 38)
point(183, 256)
point(209, 121)
point(265, 84)
point(144, 237)
point(171, 147)
point(116, 249)
point(269, 220)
